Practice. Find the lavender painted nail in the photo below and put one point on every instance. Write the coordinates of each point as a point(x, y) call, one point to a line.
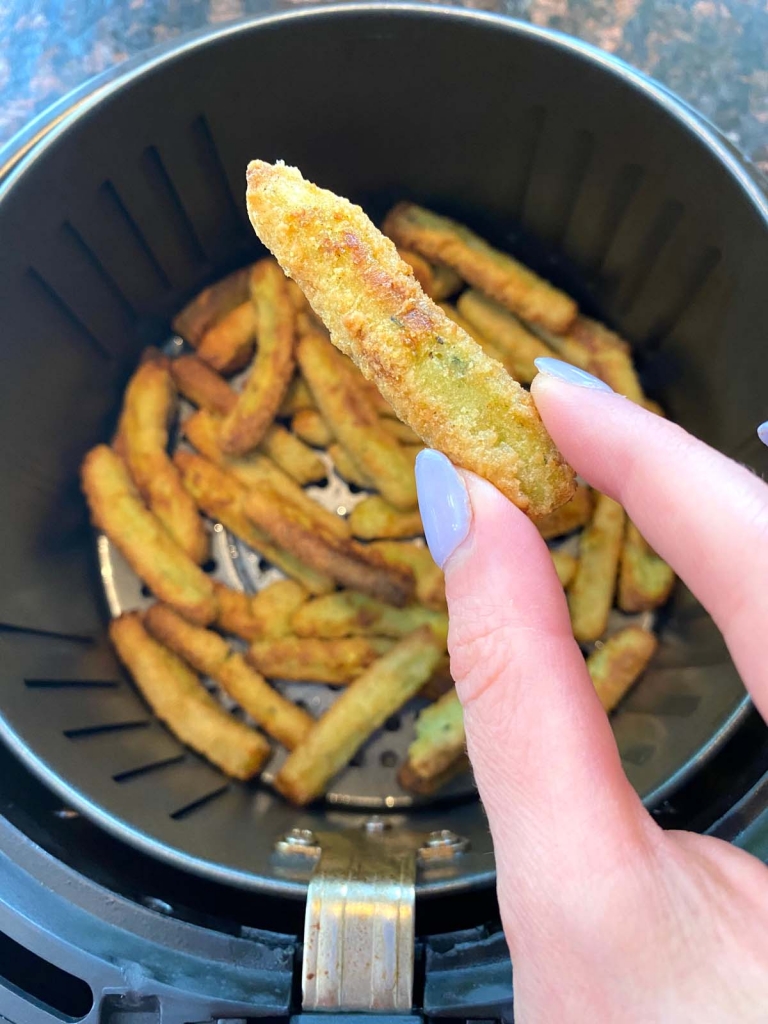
point(762, 432)
point(443, 503)
point(569, 374)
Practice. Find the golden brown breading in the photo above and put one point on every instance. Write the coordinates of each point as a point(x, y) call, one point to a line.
point(436, 279)
point(518, 346)
point(211, 305)
point(179, 699)
point(147, 409)
point(206, 652)
point(493, 272)
point(373, 518)
point(342, 558)
point(485, 343)
point(314, 660)
point(645, 580)
point(293, 456)
point(356, 426)
point(261, 616)
point(244, 427)
point(227, 345)
point(401, 431)
point(430, 582)
point(569, 517)
point(146, 545)
point(202, 385)
point(309, 425)
point(348, 470)
point(349, 613)
point(360, 710)
point(255, 470)
point(440, 742)
point(619, 662)
point(591, 592)
point(437, 379)
point(222, 497)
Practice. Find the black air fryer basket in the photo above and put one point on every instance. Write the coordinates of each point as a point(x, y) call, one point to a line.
point(123, 210)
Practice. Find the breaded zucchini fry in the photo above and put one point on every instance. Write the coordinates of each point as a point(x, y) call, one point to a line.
point(208, 653)
point(518, 346)
point(569, 517)
point(222, 497)
point(565, 567)
point(292, 455)
point(361, 709)
point(619, 662)
point(348, 613)
point(440, 742)
point(374, 517)
point(227, 346)
point(485, 343)
point(146, 545)
point(348, 470)
point(437, 379)
point(493, 272)
point(147, 409)
point(430, 582)
point(202, 385)
point(591, 592)
point(346, 561)
point(297, 397)
point(255, 470)
point(401, 431)
point(645, 580)
point(210, 305)
point(310, 426)
point(314, 660)
point(271, 371)
point(261, 616)
point(436, 279)
point(348, 413)
point(179, 699)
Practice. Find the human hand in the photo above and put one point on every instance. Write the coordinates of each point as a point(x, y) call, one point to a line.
point(608, 917)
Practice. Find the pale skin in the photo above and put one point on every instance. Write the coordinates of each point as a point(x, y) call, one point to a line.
point(608, 918)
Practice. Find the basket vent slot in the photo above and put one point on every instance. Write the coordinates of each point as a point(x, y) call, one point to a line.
point(160, 181)
point(47, 294)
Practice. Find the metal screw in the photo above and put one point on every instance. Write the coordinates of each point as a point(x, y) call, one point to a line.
point(300, 837)
point(376, 825)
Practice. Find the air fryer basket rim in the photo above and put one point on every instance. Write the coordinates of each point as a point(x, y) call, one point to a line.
point(63, 117)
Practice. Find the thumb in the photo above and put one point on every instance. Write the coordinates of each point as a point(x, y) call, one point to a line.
point(561, 811)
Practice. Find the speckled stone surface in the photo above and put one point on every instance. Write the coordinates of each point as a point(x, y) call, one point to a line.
point(713, 53)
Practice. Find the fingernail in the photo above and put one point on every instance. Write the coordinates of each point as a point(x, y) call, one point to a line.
point(762, 432)
point(570, 374)
point(443, 503)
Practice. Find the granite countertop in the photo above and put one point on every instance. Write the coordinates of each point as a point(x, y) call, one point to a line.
point(710, 52)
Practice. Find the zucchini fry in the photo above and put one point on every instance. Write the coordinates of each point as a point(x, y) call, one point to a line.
point(179, 699)
point(297, 397)
point(208, 653)
point(440, 682)
point(437, 280)
point(310, 426)
point(210, 305)
point(261, 616)
point(485, 343)
point(565, 567)
point(222, 497)
point(342, 558)
point(440, 743)
point(149, 549)
point(347, 468)
point(360, 710)
point(430, 582)
point(255, 471)
point(293, 456)
point(228, 344)
point(569, 517)
point(348, 613)
point(591, 592)
point(348, 413)
point(374, 518)
point(645, 580)
point(147, 409)
point(493, 272)
point(271, 371)
point(401, 431)
point(202, 385)
point(436, 378)
point(518, 346)
point(314, 660)
point(619, 662)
